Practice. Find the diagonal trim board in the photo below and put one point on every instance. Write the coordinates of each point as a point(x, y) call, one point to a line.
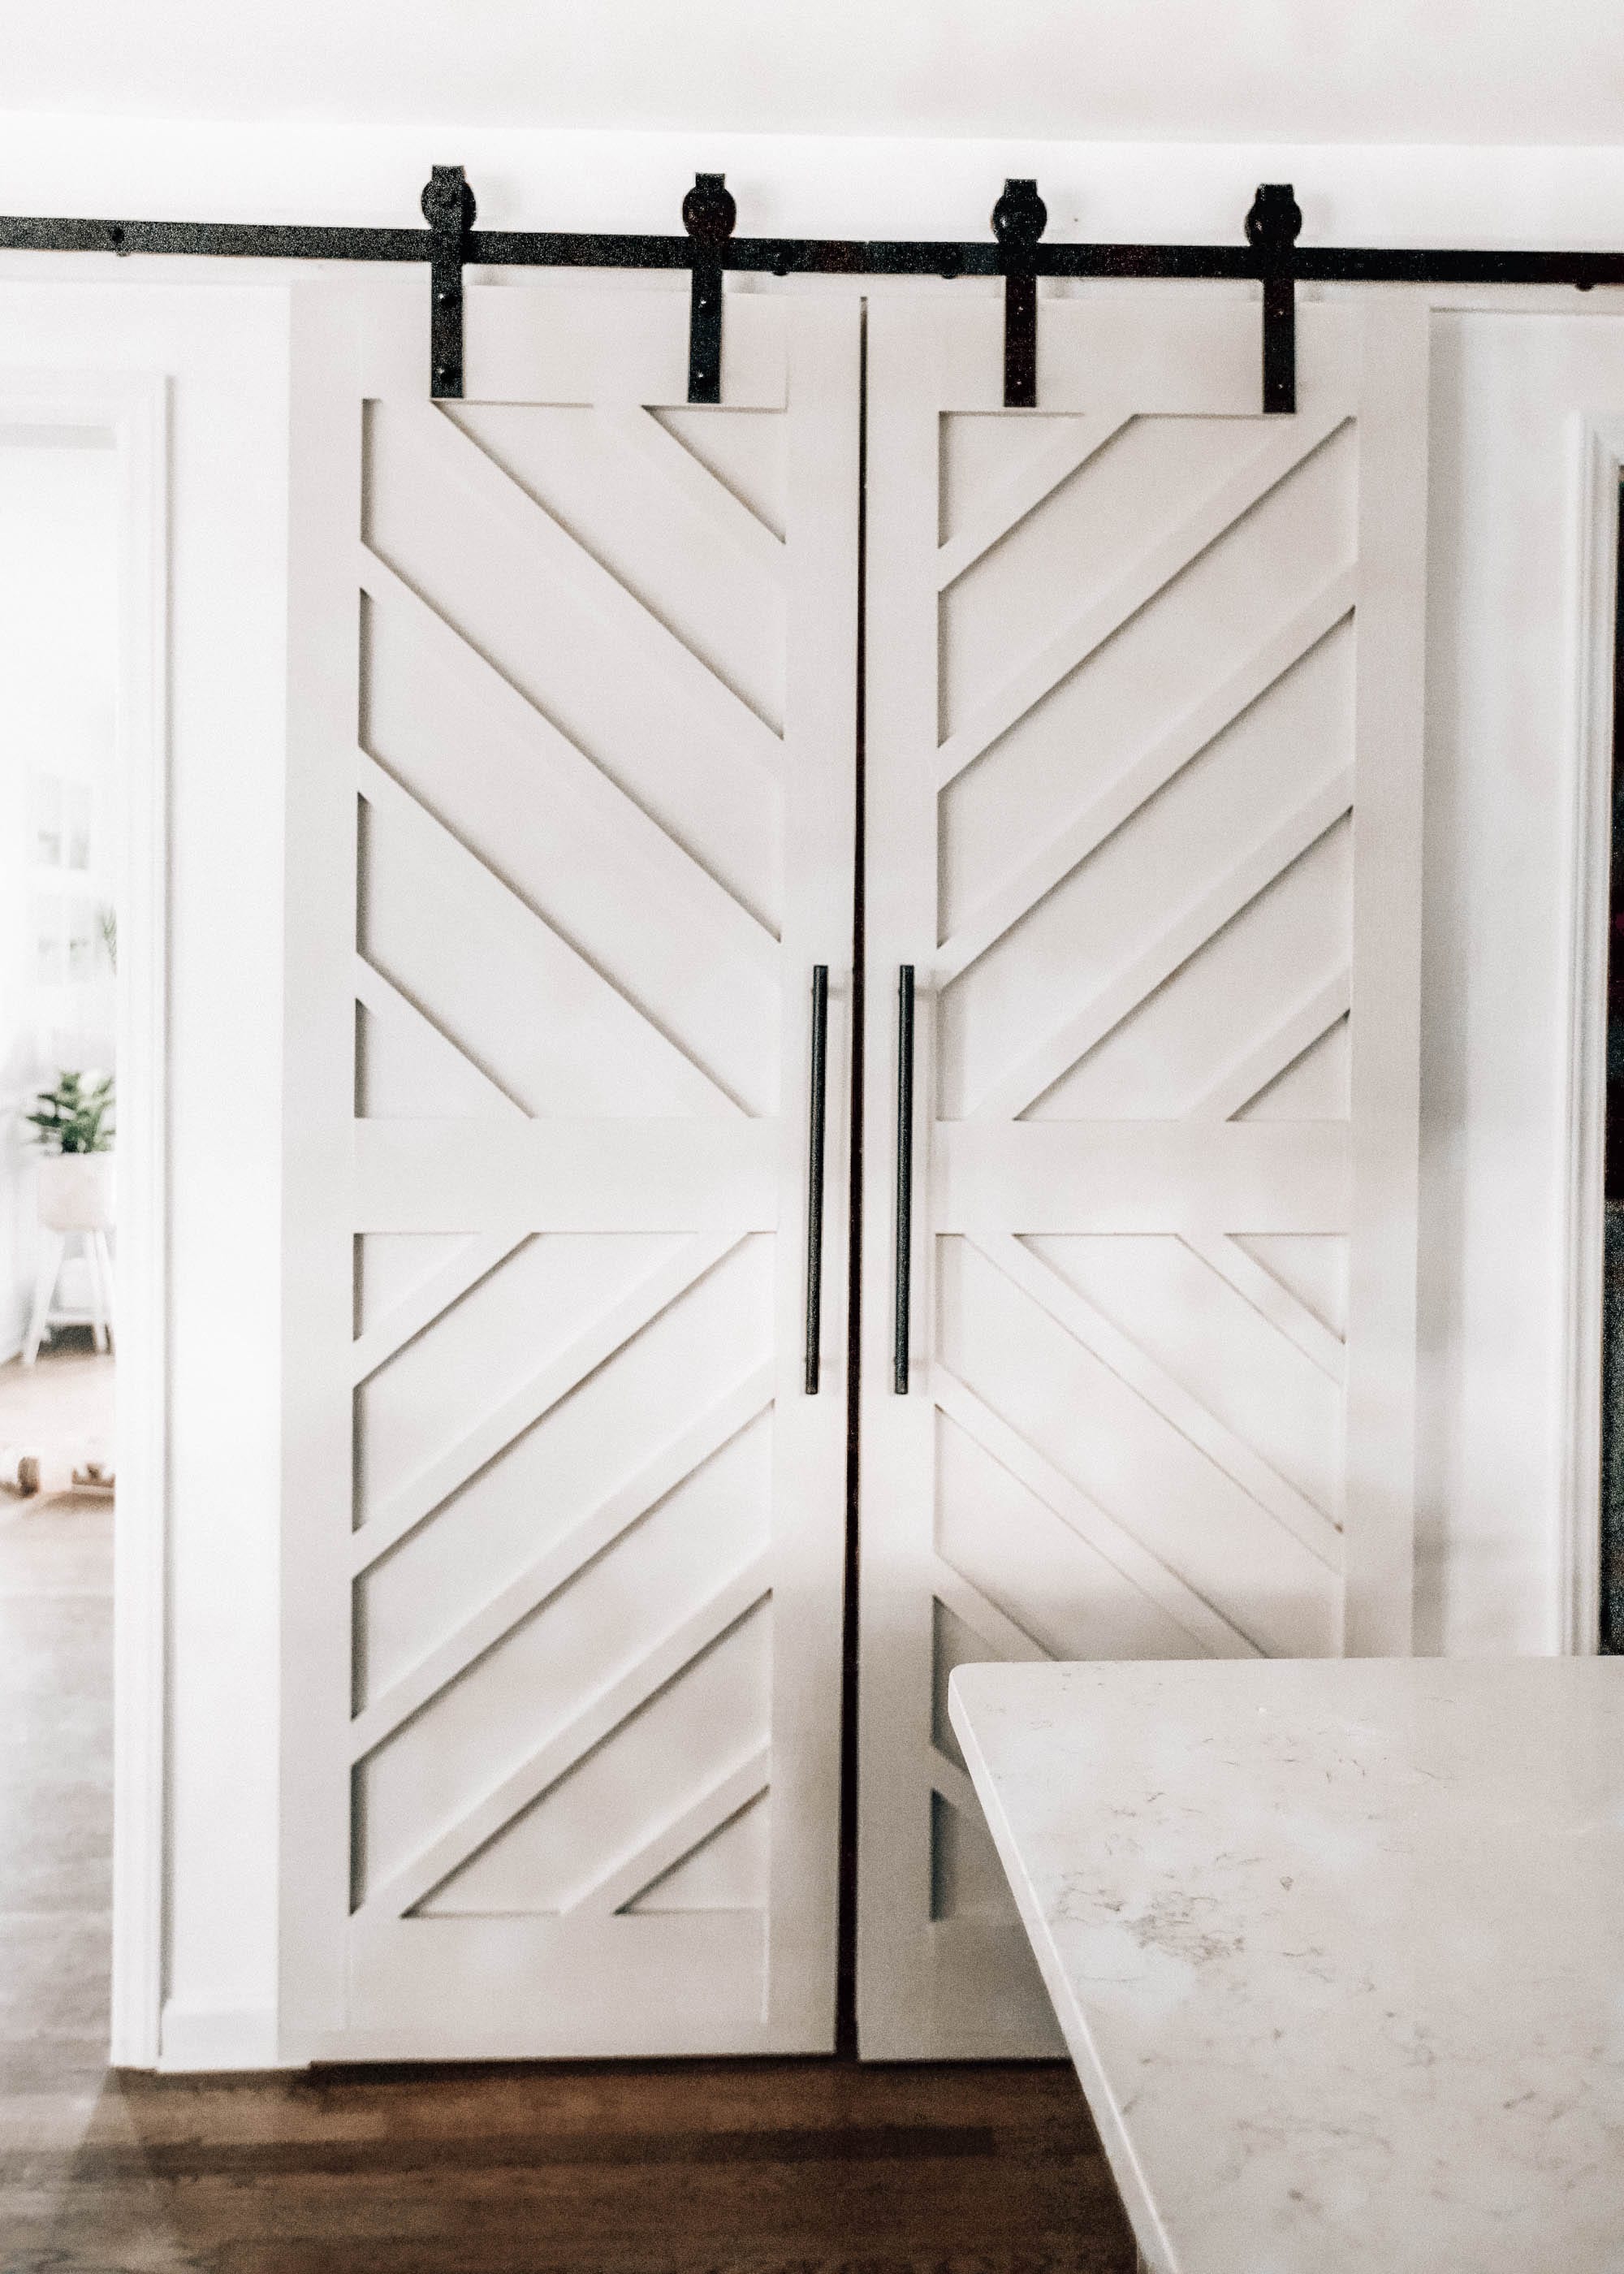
point(1024, 489)
point(1270, 1299)
point(1190, 930)
point(1199, 728)
point(613, 1704)
point(474, 1261)
point(1251, 1071)
point(612, 1328)
point(379, 787)
point(1280, 455)
point(385, 1001)
point(982, 1614)
point(1205, 1626)
point(949, 1781)
point(562, 1562)
point(648, 850)
point(677, 1838)
point(1171, 1403)
point(648, 644)
point(640, 432)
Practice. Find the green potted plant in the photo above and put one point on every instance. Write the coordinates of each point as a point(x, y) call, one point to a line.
point(75, 1122)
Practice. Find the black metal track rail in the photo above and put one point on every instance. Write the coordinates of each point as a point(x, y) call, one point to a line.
point(1270, 257)
point(797, 256)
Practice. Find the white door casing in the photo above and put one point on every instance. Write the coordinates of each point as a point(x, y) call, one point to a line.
point(1144, 813)
point(570, 823)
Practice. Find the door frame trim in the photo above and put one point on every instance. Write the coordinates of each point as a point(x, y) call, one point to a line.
point(1600, 474)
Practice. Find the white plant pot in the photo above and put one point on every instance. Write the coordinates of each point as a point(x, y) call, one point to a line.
point(76, 1192)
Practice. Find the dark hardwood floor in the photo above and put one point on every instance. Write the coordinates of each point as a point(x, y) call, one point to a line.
point(730, 2167)
point(713, 2167)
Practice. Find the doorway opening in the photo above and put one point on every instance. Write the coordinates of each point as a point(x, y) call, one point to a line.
point(82, 992)
point(60, 809)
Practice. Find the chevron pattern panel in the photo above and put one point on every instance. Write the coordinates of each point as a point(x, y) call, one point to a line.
point(578, 1112)
point(1136, 767)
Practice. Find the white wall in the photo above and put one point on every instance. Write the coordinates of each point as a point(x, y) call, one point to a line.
point(1509, 389)
point(1510, 397)
point(805, 184)
point(58, 652)
point(1487, 70)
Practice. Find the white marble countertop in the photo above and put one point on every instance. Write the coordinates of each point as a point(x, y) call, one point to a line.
point(1338, 1949)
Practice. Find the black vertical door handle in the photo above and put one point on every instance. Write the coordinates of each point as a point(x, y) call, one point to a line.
point(814, 1174)
point(905, 1177)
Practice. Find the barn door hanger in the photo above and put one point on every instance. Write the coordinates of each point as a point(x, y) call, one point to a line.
point(1272, 229)
point(1018, 220)
point(708, 214)
point(449, 209)
point(1273, 226)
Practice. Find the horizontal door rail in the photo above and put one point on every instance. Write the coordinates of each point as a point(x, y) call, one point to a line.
point(1270, 256)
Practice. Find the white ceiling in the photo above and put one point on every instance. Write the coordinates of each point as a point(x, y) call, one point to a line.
point(1346, 71)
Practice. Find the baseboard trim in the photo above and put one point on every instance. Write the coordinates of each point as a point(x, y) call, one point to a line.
point(202, 2038)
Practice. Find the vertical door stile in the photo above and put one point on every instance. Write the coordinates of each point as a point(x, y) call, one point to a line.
point(1387, 1007)
point(1144, 785)
point(809, 1442)
point(323, 711)
point(897, 1444)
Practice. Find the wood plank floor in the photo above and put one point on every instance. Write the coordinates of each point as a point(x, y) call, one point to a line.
point(732, 2168)
point(706, 2167)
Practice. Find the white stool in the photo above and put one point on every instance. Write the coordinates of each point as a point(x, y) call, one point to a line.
point(75, 1202)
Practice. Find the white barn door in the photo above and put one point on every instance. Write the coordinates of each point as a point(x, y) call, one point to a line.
point(570, 826)
point(1144, 764)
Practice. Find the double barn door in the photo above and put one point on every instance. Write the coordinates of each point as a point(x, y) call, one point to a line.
point(572, 831)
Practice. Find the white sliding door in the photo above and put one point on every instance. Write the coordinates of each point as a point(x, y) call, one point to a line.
point(571, 825)
point(1144, 752)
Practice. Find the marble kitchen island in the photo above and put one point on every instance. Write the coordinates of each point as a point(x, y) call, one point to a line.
point(1337, 1947)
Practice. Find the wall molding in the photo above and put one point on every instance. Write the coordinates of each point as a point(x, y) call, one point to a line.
point(202, 2038)
point(1600, 472)
point(131, 408)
